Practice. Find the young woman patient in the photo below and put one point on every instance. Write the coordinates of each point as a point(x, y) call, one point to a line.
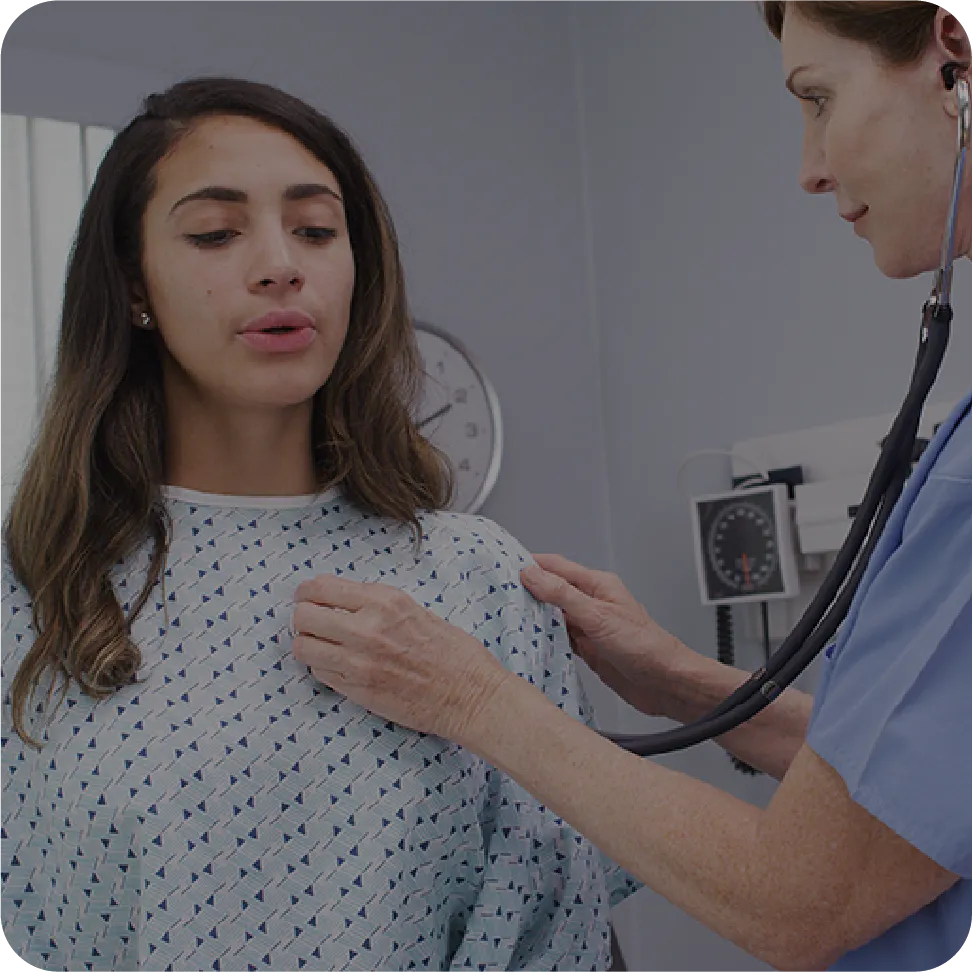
point(230, 416)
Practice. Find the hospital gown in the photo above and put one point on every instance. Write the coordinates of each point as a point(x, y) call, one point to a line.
point(228, 811)
point(893, 713)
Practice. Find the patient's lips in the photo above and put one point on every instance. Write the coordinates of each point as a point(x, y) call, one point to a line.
point(280, 332)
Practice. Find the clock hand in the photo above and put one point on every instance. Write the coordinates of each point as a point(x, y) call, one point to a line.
point(433, 416)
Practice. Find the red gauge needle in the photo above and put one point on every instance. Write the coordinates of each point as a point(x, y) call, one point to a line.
point(745, 562)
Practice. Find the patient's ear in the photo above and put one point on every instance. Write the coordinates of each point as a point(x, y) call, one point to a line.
point(136, 289)
point(141, 312)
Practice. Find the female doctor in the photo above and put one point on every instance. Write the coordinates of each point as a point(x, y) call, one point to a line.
point(863, 858)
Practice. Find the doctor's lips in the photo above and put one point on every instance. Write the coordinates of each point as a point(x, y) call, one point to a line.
point(855, 214)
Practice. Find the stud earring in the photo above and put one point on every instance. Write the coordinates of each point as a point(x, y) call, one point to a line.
point(145, 321)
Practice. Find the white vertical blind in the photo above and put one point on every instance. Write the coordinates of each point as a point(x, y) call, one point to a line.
point(56, 188)
point(47, 168)
point(96, 141)
point(18, 355)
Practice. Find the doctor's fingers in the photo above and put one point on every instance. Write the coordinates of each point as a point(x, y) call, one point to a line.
point(600, 584)
point(344, 671)
point(583, 647)
point(583, 612)
point(320, 656)
point(326, 623)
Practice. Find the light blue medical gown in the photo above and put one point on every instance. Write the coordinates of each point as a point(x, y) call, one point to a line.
point(893, 713)
point(230, 812)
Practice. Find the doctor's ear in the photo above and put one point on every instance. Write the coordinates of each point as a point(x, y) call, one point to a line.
point(952, 73)
point(951, 47)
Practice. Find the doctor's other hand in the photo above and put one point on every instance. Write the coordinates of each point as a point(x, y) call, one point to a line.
point(613, 633)
point(374, 644)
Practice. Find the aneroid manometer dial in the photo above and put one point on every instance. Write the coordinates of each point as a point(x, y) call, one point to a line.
point(744, 545)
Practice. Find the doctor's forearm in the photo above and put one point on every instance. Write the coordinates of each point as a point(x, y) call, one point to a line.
point(769, 742)
point(697, 846)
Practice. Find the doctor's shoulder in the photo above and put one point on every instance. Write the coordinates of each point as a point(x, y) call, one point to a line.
point(943, 504)
point(955, 459)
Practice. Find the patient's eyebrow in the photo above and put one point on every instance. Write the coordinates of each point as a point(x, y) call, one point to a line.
point(303, 190)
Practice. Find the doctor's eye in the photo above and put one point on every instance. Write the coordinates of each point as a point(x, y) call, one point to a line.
point(819, 102)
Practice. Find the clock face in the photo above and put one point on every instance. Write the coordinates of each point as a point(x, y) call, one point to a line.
point(458, 412)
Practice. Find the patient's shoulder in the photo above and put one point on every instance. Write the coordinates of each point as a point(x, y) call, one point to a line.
point(17, 628)
point(17, 607)
point(475, 542)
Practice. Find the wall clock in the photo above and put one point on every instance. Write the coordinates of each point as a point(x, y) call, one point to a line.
point(459, 413)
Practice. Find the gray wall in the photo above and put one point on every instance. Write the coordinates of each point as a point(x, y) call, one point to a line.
point(601, 200)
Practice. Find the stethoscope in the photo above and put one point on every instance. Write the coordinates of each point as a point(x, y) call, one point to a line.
point(819, 624)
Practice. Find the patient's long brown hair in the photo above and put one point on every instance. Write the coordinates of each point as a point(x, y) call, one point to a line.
point(91, 492)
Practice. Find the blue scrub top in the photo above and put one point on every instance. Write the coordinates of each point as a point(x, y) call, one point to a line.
point(893, 713)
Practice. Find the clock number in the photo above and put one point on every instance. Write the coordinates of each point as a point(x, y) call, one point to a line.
point(454, 384)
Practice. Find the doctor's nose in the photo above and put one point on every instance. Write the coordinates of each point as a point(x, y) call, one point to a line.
point(815, 177)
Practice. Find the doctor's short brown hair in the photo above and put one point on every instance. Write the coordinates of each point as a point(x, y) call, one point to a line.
point(899, 32)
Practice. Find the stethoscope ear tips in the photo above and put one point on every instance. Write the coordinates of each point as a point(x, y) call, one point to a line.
point(950, 73)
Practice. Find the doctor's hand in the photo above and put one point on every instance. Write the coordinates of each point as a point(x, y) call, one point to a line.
point(376, 645)
point(612, 632)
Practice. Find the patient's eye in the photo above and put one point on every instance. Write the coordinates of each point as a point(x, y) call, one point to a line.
point(211, 239)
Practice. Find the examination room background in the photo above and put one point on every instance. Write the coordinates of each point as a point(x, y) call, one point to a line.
point(599, 199)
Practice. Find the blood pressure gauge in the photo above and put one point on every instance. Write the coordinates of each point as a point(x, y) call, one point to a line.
point(459, 413)
point(744, 546)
